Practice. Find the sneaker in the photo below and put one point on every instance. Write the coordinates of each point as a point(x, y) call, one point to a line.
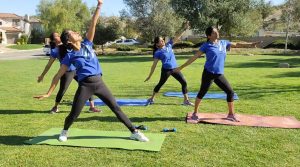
point(63, 136)
point(187, 103)
point(91, 110)
point(139, 136)
point(150, 102)
point(54, 110)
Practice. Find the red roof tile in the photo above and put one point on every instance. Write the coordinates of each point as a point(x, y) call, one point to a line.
point(10, 29)
point(10, 15)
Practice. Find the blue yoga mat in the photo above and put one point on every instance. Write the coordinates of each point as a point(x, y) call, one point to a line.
point(122, 102)
point(207, 96)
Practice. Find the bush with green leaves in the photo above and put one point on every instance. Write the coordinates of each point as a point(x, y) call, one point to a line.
point(125, 48)
point(183, 44)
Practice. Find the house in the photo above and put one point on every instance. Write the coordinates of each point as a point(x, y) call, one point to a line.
point(13, 26)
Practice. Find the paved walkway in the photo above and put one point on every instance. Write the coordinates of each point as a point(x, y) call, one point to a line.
point(13, 54)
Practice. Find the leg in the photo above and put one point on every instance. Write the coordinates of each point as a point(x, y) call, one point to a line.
point(222, 82)
point(163, 78)
point(105, 95)
point(65, 82)
point(82, 94)
point(206, 82)
point(179, 77)
point(92, 105)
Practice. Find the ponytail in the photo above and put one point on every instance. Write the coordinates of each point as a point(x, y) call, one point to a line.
point(156, 40)
point(208, 31)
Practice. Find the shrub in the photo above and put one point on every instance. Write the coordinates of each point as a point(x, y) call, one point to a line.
point(125, 48)
point(280, 44)
point(183, 44)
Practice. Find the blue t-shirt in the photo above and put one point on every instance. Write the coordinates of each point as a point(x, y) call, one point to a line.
point(215, 56)
point(166, 55)
point(55, 54)
point(84, 60)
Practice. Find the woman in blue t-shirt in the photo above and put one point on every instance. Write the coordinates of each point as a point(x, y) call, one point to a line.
point(163, 51)
point(89, 73)
point(66, 79)
point(215, 51)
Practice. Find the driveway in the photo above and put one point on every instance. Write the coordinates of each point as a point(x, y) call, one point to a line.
point(13, 54)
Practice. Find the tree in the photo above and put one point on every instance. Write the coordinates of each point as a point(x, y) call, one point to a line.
point(154, 18)
point(265, 9)
point(230, 15)
point(57, 15)
point(105, 33)
point(290, 13)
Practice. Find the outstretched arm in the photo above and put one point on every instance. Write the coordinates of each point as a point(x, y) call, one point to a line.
point(46, 69)
point(91, 32)
point(63, 68)
point(152, 69)
point(190, 61)
point(176, 38)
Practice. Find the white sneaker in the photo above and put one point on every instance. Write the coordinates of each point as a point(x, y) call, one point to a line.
point(187, 103)
point(63, 136)
point(139, 136)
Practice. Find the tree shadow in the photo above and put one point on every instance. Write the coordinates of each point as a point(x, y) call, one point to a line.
point(22, 112)
point(267, 63)
point(286, 74)
point(133, 119)
point(13, 140)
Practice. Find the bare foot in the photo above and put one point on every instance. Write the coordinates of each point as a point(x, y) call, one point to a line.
point(231, 117)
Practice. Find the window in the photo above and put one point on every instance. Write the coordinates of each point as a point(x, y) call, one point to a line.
point(16, 22)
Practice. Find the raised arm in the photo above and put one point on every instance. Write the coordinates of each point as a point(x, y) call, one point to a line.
point(91, 32)
point(152, 69)
point(180, 33)
point(63, 68)
point(46, 69)
point(197, 55)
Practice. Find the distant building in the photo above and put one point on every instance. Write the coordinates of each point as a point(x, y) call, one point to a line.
point(13, 26)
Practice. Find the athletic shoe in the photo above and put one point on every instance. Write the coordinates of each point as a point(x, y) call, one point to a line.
point(139, 136)
point(63, 136)
point(54, 110)
point(187, 103)
point(91, 110)
point(150, 102)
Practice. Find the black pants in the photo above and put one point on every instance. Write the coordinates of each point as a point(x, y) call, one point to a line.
point(94, 85)
point(64, 83)
point(220, 80)
point(165, 74)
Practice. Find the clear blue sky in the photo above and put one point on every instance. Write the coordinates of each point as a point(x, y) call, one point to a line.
point(110, 7)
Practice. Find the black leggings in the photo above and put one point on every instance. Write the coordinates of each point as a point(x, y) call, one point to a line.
point(220, 80)
point(65, 82)
point(165, 73)
point(94, 85)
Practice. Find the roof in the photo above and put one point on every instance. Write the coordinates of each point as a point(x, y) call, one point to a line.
point(10, 15)
point(34, 20)
point(11, 29)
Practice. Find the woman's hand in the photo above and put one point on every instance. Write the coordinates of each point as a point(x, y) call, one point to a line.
point(40, 97)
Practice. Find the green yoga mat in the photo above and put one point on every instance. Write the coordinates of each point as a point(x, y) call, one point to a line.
point(94, 138)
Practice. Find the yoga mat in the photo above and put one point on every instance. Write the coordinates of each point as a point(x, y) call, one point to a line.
point(245, 120)
point(94, 138)
point(207, 95)
point(122, 102)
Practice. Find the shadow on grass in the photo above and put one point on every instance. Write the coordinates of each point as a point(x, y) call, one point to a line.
point(251, 92)
point(133, 119)
point(22, 112)
point(13, 140)
point(286, 74)
point(267, 63)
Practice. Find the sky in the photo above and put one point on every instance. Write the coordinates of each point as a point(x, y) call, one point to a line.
point(110, 7)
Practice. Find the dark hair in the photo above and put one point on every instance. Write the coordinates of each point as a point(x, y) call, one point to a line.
point(208, 31)
point(52, 43)
point(63, 49)
point(156, 40)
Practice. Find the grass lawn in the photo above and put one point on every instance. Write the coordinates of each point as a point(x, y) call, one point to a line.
point(263, 89)
point(26, 46)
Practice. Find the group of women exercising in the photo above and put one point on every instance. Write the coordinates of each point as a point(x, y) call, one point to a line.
point(79, 61)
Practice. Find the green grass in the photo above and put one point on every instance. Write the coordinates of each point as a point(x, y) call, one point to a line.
point(26, 46)
point(263, 89)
